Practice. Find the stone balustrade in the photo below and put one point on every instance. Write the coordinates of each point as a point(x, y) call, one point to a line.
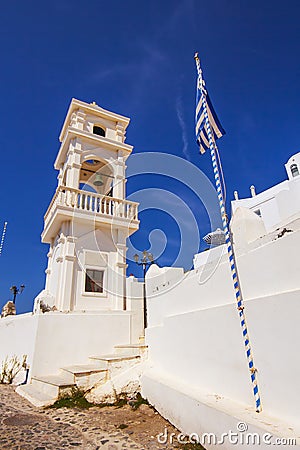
point(96, 204)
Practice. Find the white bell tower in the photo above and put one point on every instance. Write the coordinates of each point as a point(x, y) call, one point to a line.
point(89, 219)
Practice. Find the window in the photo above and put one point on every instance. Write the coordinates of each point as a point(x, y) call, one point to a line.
point(94, 280)
point(98, 130)
point(294, 170)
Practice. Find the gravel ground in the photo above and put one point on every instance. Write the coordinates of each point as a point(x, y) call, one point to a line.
point(24, 427)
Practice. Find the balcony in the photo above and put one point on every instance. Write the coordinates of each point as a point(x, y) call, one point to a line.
point(68, 204)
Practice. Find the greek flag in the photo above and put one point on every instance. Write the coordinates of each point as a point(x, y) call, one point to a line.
point(203, 109)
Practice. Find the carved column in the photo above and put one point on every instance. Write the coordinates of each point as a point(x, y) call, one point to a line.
point(73, 164)
point(66, 284)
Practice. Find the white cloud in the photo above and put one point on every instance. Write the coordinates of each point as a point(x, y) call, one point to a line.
point(184, 135)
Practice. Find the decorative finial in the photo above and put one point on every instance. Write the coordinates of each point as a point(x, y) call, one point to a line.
point(197, 61)
point(94, 104)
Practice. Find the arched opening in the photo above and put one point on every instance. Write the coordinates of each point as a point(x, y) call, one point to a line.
point(87, 187)
point(294, 170)
point(98, 130)
point(96, 176)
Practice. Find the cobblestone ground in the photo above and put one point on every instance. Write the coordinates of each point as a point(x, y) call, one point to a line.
point(24, 427)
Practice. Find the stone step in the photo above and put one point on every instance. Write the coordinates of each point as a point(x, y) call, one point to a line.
point(79, 369)
point(87, 375)
point(114, 357)
point(54, 385)
point(35, 396)
point(60, 380)
point(138, 345)
point(124, 377)
point(117, 363)
point(131, 349)
point(44, 390)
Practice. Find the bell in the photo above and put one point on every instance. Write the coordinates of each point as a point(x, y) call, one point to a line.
point(98, 181)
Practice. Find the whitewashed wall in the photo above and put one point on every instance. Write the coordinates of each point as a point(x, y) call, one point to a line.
point(67, 339)
point(135, 304)
point(195, 338)
point(55, 340)
point(18, 336)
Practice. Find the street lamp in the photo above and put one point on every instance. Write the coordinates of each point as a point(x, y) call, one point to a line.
point(16, 291)
point(144, 261)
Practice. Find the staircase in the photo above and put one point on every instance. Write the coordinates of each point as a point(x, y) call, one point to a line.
point(100, 371)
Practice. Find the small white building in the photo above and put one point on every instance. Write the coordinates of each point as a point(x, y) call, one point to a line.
point(276, 204)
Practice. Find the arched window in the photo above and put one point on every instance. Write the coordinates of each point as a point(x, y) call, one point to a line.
point(294, 170)
point(98, 130)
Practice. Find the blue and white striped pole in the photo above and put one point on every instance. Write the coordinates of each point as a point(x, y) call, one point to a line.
point(3, 237)
point(234, 275)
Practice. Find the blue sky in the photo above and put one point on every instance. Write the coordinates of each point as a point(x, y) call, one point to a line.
point(136, 58)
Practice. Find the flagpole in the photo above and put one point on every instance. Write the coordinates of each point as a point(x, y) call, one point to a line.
point(3, 237)
point(230, 251)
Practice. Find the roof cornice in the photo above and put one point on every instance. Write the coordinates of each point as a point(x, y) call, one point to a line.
point(91, 108)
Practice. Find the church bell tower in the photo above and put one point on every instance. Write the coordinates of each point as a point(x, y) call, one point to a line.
point(89, 219)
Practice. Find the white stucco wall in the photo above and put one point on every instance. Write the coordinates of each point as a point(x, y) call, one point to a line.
point(18, 337)
point(264, 269)
point(274, 329)
point(186, 294)
point(215, 420)
point(135, 304)
point(204, 348)
point(67, 339)
point(55, 340)
point(195, 338)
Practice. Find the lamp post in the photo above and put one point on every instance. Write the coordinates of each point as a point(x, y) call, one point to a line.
point(145, 261)
point(16, 291)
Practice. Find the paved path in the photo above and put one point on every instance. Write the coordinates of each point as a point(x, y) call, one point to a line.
point(24, 427)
